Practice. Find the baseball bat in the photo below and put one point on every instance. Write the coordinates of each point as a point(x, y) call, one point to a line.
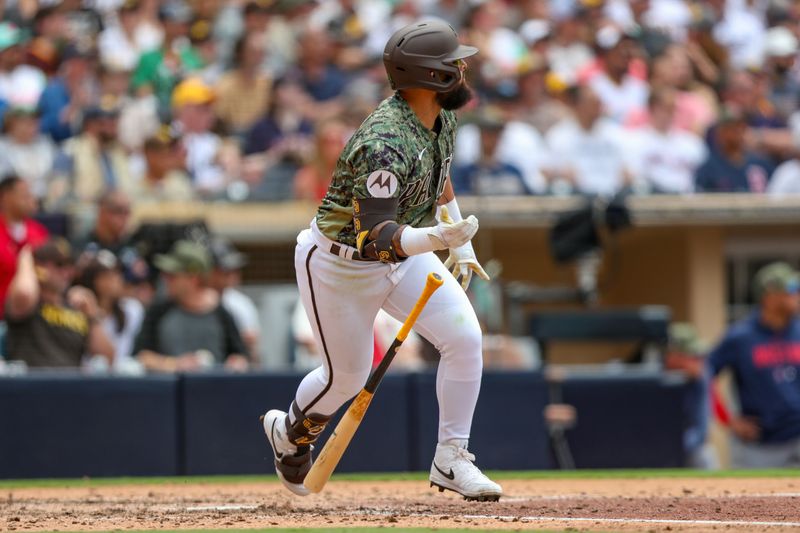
point(334, 448)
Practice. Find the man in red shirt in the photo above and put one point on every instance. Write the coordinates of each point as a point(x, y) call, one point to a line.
point(17, 228)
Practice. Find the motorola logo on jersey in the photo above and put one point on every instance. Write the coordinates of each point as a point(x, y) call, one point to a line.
point(382, 184)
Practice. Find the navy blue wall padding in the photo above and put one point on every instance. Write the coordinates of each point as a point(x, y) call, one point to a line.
point(508, 430)
point(73, 426)
point(221, 431)
point(223, 435)
point(626, 422)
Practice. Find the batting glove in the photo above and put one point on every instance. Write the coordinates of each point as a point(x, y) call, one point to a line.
point(463, 262)
point(446, 234)
point(462, 259)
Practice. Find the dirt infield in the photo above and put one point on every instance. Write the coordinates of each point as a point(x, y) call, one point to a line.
point(667, 504)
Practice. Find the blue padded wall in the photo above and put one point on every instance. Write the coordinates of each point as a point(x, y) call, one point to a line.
point(626, 422)
point(73, 426)
point(222, 433)
point(508, 430)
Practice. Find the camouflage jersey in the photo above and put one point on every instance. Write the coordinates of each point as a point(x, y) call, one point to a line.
point(391, 155)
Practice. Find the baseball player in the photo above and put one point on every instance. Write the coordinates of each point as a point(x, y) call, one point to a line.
point(390, 205)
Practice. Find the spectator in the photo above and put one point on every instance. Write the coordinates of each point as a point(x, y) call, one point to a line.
point(567, 53)
point(536, 104)
point(94, 162)
point(119, 316)
point(490, 173)
point(138, 115)
point(586, 151)
point(696, 103)
point(786, 178)
point(287, 122)
point(164, 178)
point(159, 71)
point(20, 84)
point(781, 48)
point(66, 96)
point(311, 182)
point(50, 21)
point(519, 145)
point(536, 33)
point(26, 153)
point(616, 81)
point(191, 329)
point(502, 49)
point(767, 133)
point(48, 326)
point(225, 278)
point(206, 47)
point(17, 228)
point(740, 29)
point(286, 22)
point(665, 158)
point(317, 73)
point(194, 119)
point(763, 351)
point(110, 231)
point(729, 166)
point(243, 94)
point(744, 90)
point(123, 43)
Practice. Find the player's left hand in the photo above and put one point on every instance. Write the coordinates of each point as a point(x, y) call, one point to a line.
point(463, 262)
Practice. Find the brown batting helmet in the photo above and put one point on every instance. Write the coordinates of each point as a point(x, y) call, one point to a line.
point(425, 55)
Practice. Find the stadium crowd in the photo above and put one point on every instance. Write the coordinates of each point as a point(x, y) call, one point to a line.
point(251, 101)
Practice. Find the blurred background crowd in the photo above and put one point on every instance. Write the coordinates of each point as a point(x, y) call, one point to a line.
point(107, 105)
point(110, 104)
point(252, 101)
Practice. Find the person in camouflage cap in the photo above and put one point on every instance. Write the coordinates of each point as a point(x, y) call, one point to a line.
point(390, 205)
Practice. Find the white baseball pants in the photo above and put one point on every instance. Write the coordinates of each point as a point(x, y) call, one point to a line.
point(342, 297)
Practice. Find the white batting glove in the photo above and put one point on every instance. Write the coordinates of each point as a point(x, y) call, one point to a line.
point(463, 262)
point(462, 259)
point(446, 234)
point(454, 234)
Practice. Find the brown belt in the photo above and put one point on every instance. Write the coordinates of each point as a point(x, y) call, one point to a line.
point(335, 249)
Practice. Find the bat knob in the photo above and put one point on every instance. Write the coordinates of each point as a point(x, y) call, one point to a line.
point(435, 279)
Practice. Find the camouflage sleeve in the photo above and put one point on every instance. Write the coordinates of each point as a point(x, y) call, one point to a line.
point(379, 170)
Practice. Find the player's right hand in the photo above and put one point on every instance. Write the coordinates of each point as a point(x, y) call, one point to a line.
point(746, 428)
point(455, 234)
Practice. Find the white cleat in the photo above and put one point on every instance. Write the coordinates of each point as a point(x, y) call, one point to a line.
point(290, 467)
point(452, 469)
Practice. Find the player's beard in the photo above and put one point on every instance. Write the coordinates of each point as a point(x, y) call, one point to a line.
point(455, 98)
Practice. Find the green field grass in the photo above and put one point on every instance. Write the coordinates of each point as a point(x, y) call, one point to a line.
point(410, 476)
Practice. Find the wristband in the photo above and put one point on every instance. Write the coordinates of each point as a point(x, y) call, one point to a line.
point(415, 241)
point(452, 209)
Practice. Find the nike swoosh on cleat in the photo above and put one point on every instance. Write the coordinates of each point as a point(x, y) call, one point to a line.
point(451, 476)
point(272, 432)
